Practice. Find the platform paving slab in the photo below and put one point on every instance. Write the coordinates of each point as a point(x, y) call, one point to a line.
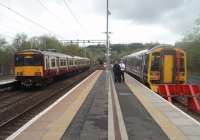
point(91, 122)
point(52, 122)
point(3, 82)
point(139, 123)
point(174, 122)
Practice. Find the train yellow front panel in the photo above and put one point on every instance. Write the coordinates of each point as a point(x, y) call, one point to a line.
point(168, 69)
point(29, 71)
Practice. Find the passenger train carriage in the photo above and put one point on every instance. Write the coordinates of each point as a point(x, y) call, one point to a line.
point(163, 64)
point(34, 67)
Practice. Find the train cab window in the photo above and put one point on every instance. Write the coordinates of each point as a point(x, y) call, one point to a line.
point(182, 66)
point(19, 60)
point(29, 60)
point(155, 62)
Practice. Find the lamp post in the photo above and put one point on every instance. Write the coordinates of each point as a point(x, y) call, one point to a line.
point(107, 35)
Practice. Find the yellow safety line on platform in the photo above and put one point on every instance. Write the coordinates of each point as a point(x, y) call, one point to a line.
point(167, 126)
point(59, 126)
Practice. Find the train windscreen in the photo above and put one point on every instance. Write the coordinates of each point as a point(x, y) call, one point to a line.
point(28, 60)
point(155, 63)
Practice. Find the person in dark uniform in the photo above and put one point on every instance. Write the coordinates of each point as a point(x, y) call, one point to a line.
point(117, 72)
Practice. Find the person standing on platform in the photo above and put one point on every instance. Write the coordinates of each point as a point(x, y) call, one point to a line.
point(117, 72)
point(122, 67)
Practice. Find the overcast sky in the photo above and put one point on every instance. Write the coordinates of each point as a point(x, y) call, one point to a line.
point(163, 21)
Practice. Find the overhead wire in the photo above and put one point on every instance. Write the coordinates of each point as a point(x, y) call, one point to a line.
point(2, 32)
point(51, 13)
point(9, 27)
point(12, 19)
point(74, 16)
point(29, 19)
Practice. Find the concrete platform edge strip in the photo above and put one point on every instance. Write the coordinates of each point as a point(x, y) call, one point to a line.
point(4, 82)
point(60, 126)
point(29, 123)
point(168, 127)
point(185, 114)
point(111, 132)
point(122, 127)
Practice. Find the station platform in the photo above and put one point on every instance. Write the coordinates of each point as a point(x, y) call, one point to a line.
point(7, 81)
point(99, 109)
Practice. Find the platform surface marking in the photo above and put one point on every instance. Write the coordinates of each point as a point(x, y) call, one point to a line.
point(90, 123)
point(156, 107)
point(52, 122)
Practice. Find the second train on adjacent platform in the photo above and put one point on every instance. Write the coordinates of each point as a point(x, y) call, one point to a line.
point(162, 64)
point(35, 67)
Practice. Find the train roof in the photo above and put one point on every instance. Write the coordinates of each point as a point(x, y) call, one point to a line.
point(147, 51)
point(160, 46)
point(56, 54)
point(78, 57)
point(138, 53)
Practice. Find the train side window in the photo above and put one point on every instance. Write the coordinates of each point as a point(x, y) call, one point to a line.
point(61, 62)
point(70, 62)
point(37, 60)
point(64, 63)
point(57, 62)
point(145, 61)
point(67, 61)
point(53, 62)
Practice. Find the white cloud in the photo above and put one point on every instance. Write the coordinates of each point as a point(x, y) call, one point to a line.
point(131, 20)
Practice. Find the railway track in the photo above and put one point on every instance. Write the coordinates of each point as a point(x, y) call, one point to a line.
point(21, 110)
point(193, 114)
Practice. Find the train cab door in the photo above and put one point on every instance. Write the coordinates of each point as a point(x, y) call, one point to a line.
point(168, 68)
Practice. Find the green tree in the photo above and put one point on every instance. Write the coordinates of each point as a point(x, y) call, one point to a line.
point(20, 42)
point(191, 44)
point(3, 42)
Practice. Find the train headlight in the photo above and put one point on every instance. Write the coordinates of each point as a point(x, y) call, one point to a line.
point(19, 73)
point(155, 75)
point(37, 73)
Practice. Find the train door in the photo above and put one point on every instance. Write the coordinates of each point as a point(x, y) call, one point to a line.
point(142, 67)
point(57, 65)
point(47, 65)
point(168, 69)
point(145, 60)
